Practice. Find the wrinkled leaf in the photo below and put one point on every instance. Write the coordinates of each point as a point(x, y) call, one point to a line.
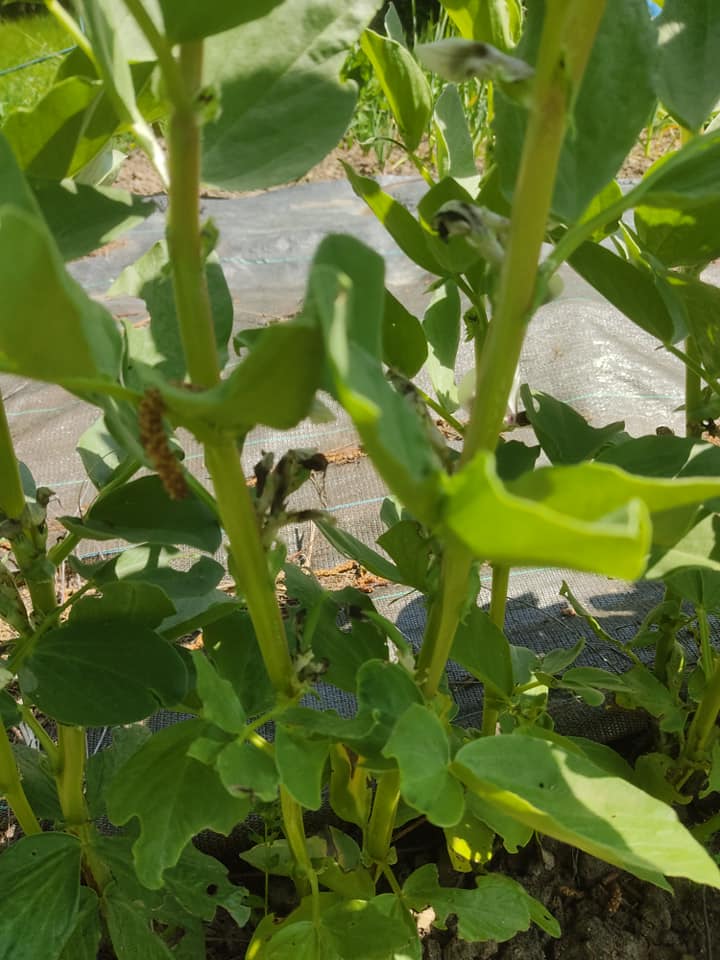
point(174, 796)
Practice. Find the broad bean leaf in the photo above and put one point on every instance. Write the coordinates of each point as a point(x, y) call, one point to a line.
point(701, 303)
point(276, 857)
point(441, 325)
point(131, 931)
point(39, 877)
point(502, 527)
point(150, 277)
point(514, 458)
point(680, 237)
point(620, 70)
point(14, 188)
point(638, 687)
point(347, 292)
point(82, 218)
point(268, 387)
point(186, 21)
point(173, 796)
point(51, 329)
point(360, 931)
point(419, 743)
point(403, 341)
point(483, 650)
point(664, 457)
point(135, 602)
point(220, 704)
point(411, 551)
point(590, 491)
point(403, 83)
point(568, 797)
point(350, 546)
point(454, 146)
point(192, 592)
point(385, 691)
point(232, 646)
point(96, 673)
point(629, 287)
point(686, 80)
point(200, 884)
point(44, 137)
point(283, 107)
point(300, 763)
point(84, 941)
point(565, 435)
point(496, 909)
point(496, 22)
point(470, 843)
point(142, 512)
point(346, 651)
point(103, 765)
point(248, 772)
point(515, 835)
point(700, 587)
point(683, 179)
point(394, 26)
point(100, 453)
point(38, 781)
point(684, 538)
point(402, 226)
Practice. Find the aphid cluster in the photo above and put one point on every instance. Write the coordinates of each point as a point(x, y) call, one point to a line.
point(155, 443)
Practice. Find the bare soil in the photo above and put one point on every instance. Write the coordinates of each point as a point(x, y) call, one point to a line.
point(138, 176)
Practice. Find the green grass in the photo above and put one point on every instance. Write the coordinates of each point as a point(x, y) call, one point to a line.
point(22, 40)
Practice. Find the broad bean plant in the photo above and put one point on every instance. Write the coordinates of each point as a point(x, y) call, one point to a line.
point(247, 96)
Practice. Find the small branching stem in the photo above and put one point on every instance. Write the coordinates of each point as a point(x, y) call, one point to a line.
point(382, 818)
point(12, 789)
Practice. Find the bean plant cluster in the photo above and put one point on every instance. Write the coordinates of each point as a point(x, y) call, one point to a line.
point(248, 96)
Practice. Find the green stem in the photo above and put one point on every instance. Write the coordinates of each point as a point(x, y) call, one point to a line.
point(382, 819)
point(70, 777)
point(249, 563)
point(667, 632)
point(440, 410)
point(565, 46)
point(68, 23)
point(195, 320)
point(12, 789)
point(443, 617)
point(693, 390)
point(43, 736)
point(192, 299)
point(703, 723)
point(295, 833)
point(12, 496)
point(706, 650)
point(498, 602)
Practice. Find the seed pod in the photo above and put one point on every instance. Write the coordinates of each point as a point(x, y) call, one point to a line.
point(155, 443)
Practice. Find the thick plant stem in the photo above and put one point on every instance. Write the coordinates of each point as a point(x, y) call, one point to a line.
point(295, 833)
point(443, 617)
point(382, 818)
point(70, 777)
point(567, 38)
point(12, 789)
point(194, 312)
point(183, 229)
point(498, 602)
point(568, 34)
point(249, 563)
